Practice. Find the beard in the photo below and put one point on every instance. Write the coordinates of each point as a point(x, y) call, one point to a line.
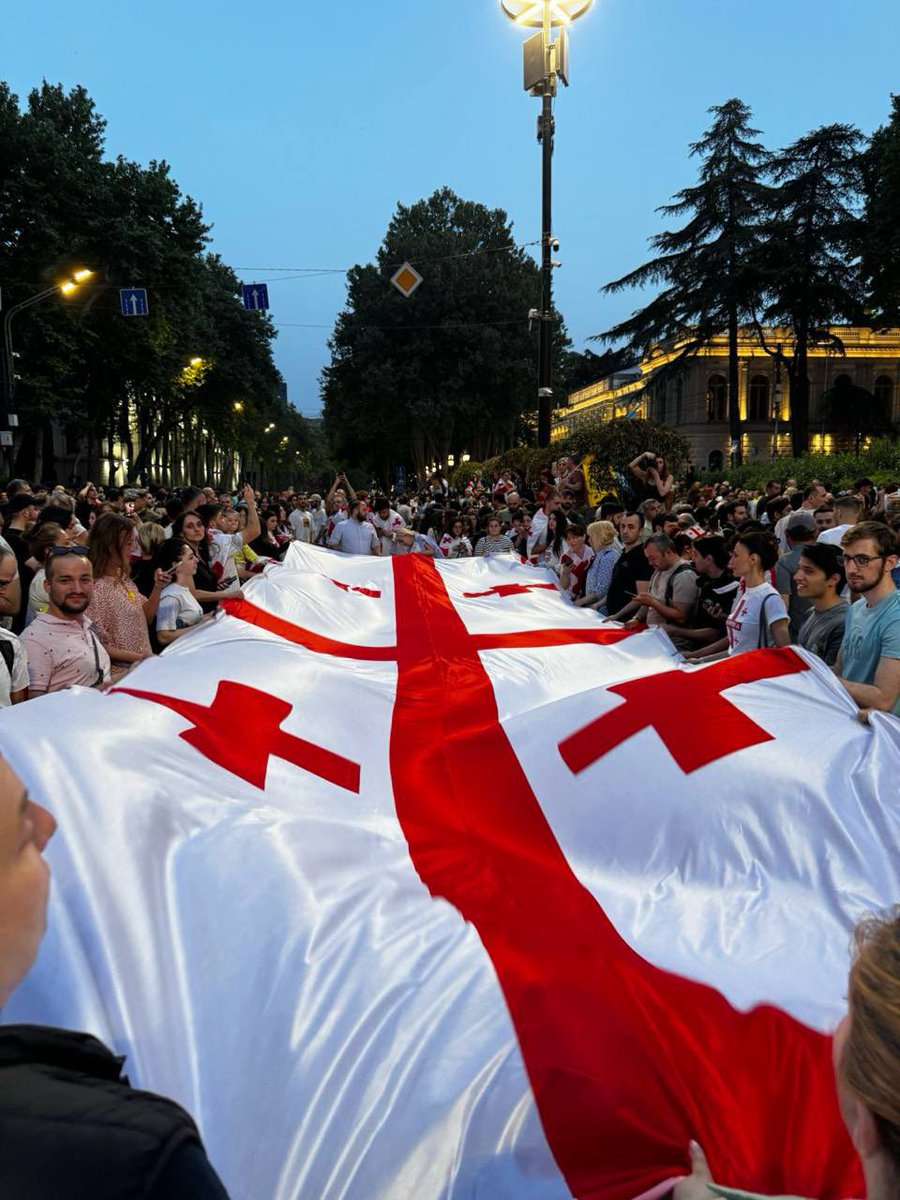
point(74, 607)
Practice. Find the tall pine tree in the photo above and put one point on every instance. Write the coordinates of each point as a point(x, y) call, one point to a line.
point(709, 266)
point(811, 277)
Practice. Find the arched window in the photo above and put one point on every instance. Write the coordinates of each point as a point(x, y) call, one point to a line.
point(758, 398)
point(884, 392)
point(717, 399)
point(716, 460)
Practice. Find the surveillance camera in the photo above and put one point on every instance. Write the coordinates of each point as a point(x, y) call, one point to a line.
point(554, 245)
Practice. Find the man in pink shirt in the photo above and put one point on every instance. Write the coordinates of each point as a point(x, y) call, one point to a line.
point(62, 644)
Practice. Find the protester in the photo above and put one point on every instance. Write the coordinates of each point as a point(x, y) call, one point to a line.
point(759, 617)
point(267, 543)
point(179, 610)
point(800, 532)
point(302, 522)
point(494, 541)
point(62, 646)
point(205, 585)
point(670, 600)
point(14, 667)
point(820, 579)
point(555, 543)
point(602, 538)
point(866, 1056)
point(454, 543)
point(575, 561)
point(386, 523)
point(717, 591)
point(869, 660)
point(355, 535)
point(847, 512)
point(631, 574)
point(657, 482)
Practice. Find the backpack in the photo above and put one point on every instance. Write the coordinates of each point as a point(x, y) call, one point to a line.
point(670, 582)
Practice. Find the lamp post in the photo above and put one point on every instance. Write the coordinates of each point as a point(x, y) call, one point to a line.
point(546, 62)
point(66, 288)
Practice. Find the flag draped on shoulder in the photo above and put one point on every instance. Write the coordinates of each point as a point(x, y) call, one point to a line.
point(409, 878)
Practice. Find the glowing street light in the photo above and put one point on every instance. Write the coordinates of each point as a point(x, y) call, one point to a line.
point(66, 288)
point(238, 406)
point(546, 62)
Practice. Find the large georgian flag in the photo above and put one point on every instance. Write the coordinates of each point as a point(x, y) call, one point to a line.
point(409, 879)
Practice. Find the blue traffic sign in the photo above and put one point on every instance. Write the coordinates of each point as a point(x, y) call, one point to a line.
point(256, 296)
point(133, 302)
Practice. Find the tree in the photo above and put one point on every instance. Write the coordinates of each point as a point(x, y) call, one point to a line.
point(880, 241)
point(810, 277)
point(855, 410)
point(451, 369)
point(709, 265)
point(614, 444)
point(83, 366)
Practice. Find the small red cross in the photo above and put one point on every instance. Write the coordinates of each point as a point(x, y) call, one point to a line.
point(512, 589)
point(262, 737)
point(345, 587)
point(687, 709)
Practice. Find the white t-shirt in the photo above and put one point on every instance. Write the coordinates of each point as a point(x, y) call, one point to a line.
point(303, 524)
point(390, 524)
point(17, 679)
point(354, 537)
point(743, 621)
point(832, 537)
point(178, 608)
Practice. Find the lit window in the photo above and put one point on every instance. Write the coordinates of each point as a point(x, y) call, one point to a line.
point(758, 399)
point(717, 398)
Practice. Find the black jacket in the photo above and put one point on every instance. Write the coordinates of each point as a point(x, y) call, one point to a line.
point(72, 1127)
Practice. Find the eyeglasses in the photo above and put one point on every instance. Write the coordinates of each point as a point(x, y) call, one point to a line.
point(860, 560)
point(59, 551)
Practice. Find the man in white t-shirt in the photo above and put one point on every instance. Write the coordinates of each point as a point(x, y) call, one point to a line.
point(356, 535)
point(225, 542)
point(847, 512)
point(13, 660)
point(387, 523)
point(302, 522)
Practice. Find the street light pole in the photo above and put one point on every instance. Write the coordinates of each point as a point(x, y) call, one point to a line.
point(546, 61)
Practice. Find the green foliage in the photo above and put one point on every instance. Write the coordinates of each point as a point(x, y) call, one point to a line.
point(448, 370)
point(880, 240)
point(82, 364)
point(614, 444)
point(880, 463)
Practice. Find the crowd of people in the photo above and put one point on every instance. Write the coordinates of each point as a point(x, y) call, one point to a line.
point(93, 581)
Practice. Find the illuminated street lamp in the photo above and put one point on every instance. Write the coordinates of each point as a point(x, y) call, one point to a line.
point(546, 62)
point(66, 288)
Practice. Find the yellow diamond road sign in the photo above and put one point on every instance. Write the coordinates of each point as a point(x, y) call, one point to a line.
point(406, 279)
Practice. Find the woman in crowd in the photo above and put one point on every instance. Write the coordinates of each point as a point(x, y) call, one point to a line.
point(190, 527)
point(267, 544)
point(866, 1056)
point(556, 542)
point(150, 536)
point(575, 561)
point(454, 543)
point(656, 478)
point(283, 532)
point(602, 536)
point(494, 541)
point(121, 612)
point(758, 617)
point(179, 610)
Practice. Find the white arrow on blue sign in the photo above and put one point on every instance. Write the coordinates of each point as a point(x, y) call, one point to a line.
point(133, 302)
point(256, 296)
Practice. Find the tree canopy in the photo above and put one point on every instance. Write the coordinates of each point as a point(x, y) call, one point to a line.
point(453, 367)
point(80, 363)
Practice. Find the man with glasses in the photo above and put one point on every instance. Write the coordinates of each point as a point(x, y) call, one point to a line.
point(14, 665)
point(63, 646)
point(868, 664)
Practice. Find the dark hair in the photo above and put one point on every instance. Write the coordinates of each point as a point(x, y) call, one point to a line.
point(168, 553)
point(42, 537)
point(174, 508)
point(681, 542)
point(713, 546)
point(58, 514)
point(630, 512)
point(810, 490)
point(576, 527)
point(178, 532)
point(190, 494)
point(828, 559)
point(206, 512)
point(762, 545)
point(555, 543)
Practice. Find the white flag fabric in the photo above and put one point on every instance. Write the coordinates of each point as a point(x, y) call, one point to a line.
point(411, 879)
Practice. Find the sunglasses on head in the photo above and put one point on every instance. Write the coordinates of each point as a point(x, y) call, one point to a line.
point(59, 551)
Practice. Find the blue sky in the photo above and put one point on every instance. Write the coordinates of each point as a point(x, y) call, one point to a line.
point(300, 126)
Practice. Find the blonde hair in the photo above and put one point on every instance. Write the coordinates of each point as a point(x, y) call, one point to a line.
point(601, 534)
point(870, 1062)
point(149, 536)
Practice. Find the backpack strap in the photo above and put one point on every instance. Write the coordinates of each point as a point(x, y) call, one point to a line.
point(8, 654)
point(670, 582)
point(763, 640)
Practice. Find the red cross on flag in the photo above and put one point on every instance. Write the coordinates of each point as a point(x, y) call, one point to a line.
point(430, 884)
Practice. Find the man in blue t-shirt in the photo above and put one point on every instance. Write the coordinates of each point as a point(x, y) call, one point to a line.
point(868, 664)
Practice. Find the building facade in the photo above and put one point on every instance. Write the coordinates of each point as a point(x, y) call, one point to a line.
point(691, 393)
